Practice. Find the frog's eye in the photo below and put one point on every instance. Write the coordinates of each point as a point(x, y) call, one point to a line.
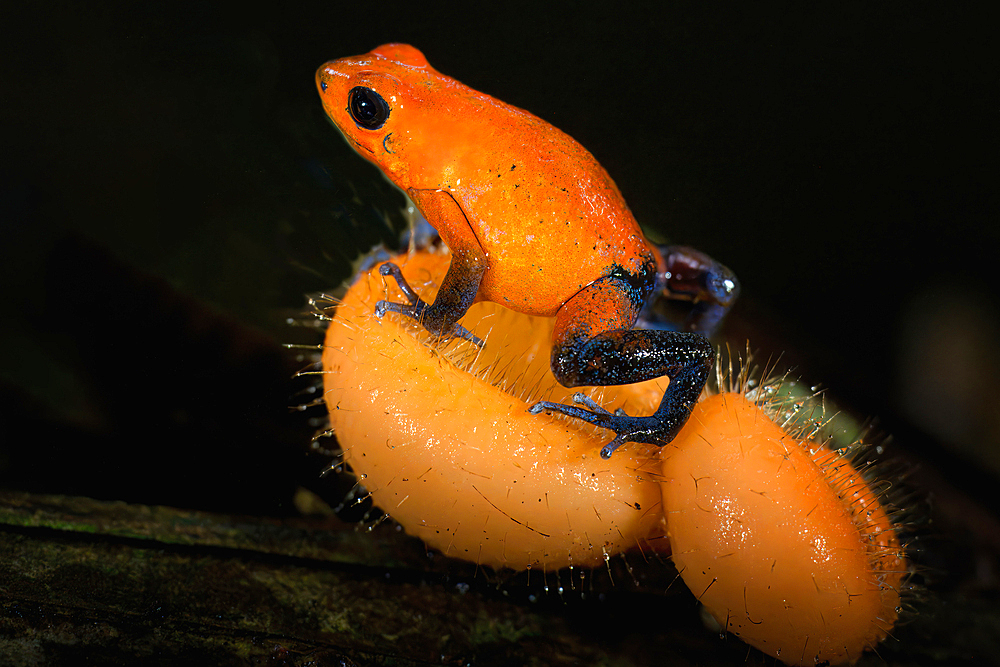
point(367, 108)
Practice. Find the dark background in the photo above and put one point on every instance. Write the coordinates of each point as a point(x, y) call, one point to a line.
point(171, 190)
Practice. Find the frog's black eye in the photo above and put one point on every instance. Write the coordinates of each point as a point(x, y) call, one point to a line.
point(367, 108)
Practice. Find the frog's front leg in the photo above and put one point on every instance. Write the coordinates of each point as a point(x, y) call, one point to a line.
point(594, 344)
point(457, 293)
point(461, 283)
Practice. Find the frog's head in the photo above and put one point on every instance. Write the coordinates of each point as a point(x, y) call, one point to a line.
point(384, 103)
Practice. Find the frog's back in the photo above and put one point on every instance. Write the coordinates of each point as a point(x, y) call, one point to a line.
point(550, 212)
point(549, 218)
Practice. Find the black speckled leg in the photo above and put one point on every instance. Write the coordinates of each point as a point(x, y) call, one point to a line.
point(685, 358)
point(620, 356)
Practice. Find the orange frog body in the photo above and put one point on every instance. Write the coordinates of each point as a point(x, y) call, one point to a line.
point(533, 223)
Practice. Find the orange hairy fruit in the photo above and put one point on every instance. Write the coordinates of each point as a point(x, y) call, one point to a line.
point(440, 436)
point(782, 540)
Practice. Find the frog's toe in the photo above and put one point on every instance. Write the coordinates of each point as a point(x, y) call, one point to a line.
point(389, 269)
point(610, 448)
point(583, 399)
point(597, 417)
point(414, 311)
point(465, 334)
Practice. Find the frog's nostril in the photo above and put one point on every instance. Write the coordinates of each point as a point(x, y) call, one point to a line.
point(325, 77)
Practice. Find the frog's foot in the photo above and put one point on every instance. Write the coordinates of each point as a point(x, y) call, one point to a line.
point(693, 276)
point(417, 308)
point(627, 428)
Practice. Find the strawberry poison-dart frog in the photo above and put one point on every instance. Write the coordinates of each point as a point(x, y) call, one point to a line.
point(536, 224)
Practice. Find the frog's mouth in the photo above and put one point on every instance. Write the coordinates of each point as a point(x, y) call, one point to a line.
point(362, 147)
point(350, 141)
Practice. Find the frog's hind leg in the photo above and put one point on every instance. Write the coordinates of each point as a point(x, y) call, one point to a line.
point(594, 344)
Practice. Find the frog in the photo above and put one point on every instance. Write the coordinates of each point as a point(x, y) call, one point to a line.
point(533, 222)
